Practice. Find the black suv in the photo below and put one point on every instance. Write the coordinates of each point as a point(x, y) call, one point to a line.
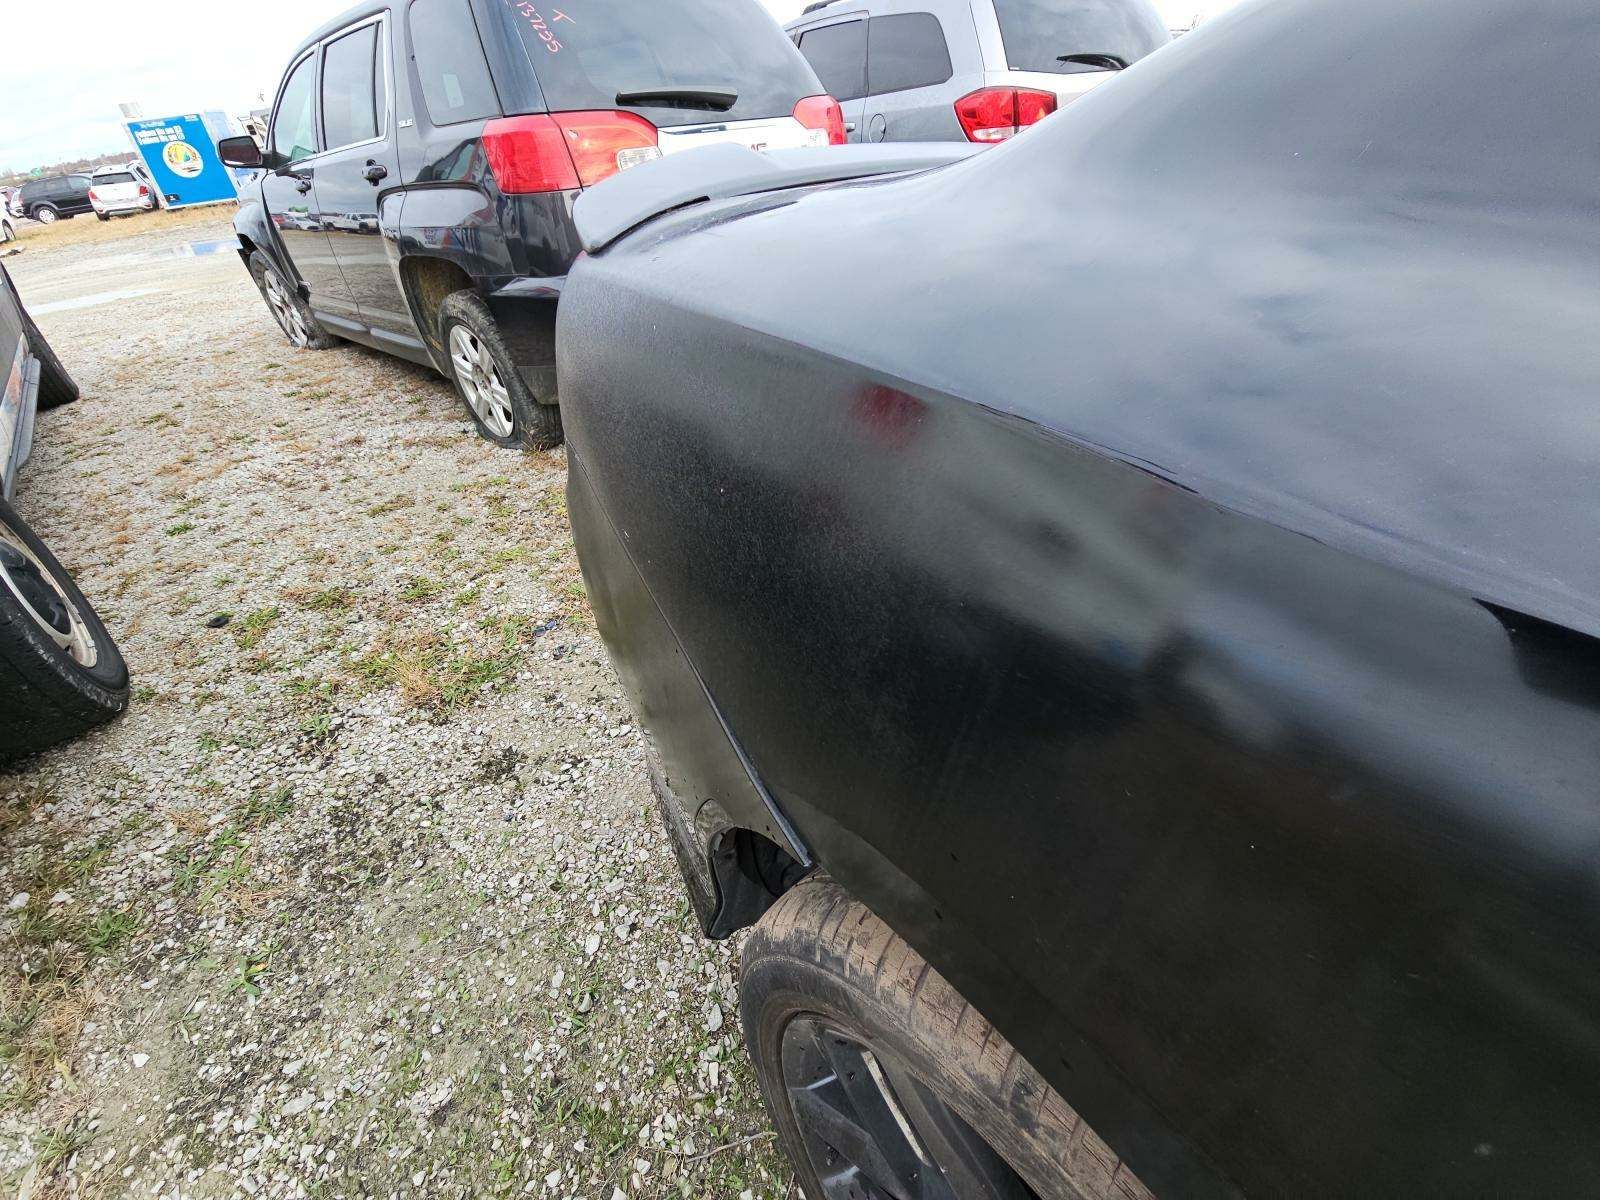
point(46, 200)
point(423, 159)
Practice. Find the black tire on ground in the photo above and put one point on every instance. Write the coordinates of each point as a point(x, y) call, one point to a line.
point(48, 693)
point(56, 386)
point(45, 214)
point(851, 1030)
point(103, 216)
point(288, 307)
point(516, 418)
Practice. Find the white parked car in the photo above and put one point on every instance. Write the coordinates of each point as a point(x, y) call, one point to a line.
point(116, 191)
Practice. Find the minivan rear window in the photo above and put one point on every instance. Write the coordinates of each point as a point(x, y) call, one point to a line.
point(114, 177)
point(586, 52)
point(1038, 32)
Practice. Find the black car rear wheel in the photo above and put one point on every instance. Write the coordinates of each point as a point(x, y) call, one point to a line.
point(486, 377)
point(60, 673)
point(45, 214)
point(288, 308)
point(885, 1084)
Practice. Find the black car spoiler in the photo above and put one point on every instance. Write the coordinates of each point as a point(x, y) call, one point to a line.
point(610, 209)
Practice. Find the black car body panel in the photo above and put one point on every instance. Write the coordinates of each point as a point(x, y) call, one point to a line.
point(19, 385)
point(26, 362)
point(1152, 564)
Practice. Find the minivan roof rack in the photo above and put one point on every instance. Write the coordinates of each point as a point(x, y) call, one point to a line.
point(811, 8)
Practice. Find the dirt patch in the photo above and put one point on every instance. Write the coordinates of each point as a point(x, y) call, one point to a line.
point(365, 895)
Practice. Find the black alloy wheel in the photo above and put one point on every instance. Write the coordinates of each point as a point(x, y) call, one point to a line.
point(873, 1131)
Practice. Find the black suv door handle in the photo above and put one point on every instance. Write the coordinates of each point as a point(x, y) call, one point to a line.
point(376, 172)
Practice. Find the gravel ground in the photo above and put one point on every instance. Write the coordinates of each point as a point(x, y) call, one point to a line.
point(365, 896)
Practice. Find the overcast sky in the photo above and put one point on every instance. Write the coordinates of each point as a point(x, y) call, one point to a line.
point(66, 68)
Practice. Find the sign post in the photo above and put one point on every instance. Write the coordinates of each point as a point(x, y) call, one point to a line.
point(181, 155)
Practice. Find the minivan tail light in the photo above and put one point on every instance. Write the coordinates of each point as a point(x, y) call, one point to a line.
point(143, 191)
point(93, 198)
point(995, 114)
point(824, 118)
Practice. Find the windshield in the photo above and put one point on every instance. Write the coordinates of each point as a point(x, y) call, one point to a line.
point(586, 52)
point(1038, 32)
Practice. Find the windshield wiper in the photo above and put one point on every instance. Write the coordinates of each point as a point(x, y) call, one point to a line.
point(1101, 62)
point(715, 98)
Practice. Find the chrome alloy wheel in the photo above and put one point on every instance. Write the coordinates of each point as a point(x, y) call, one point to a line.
point(32, 584)
point(480, 381)
point(284, 309)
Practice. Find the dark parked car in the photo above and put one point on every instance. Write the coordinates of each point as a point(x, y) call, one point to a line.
point(1151, 568)
point(423, 159)
point(60, 672)
point(48, 200)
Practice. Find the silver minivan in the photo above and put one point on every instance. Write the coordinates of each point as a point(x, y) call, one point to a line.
point(980, 70)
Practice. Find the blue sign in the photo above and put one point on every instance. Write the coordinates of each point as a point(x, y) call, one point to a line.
point(181, 153)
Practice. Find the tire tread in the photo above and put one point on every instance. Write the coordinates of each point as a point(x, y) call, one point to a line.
point(820, 942)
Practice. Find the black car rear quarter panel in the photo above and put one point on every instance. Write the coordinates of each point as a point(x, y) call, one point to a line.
point(1129, 562)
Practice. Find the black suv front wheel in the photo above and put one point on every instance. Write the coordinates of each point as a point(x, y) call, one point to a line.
point(288, 307)
point(504, 410)
point(884, 1082)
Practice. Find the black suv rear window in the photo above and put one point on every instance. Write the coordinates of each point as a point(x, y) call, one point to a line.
point(1038, 32)
point(585, 52)
point(455, 81)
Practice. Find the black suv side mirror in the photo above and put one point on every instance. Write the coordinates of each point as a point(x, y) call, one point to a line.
point(241, 152)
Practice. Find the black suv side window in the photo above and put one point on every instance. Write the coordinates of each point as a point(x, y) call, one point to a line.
point(907, 51)
point(350, 88)
point(294, 128)
point(455, 79)
point(838, 54)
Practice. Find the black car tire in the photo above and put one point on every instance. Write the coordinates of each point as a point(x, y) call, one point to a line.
point(504, 410)
point(45, 214)
point(288, 308)
point(103, 216)
point(827, 989)
point(46, 694)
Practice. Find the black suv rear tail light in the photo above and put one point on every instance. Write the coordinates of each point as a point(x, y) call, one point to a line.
point(565, 151)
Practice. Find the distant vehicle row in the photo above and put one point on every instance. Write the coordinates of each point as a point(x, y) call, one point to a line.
point(109, 192)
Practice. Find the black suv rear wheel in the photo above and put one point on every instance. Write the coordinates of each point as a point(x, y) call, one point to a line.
point(45, 214)
point(60, 673)
point(885, 1083)
point(504, 410)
